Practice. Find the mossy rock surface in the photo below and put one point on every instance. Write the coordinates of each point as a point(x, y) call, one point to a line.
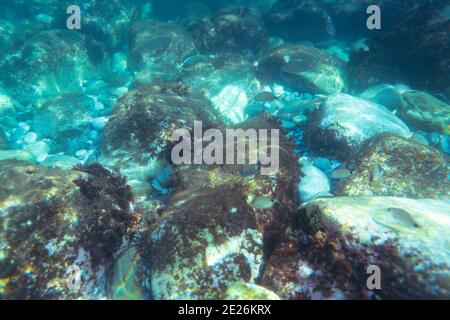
point(389, 165)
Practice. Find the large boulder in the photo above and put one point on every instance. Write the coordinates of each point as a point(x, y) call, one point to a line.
point(426, 112)
point(228, 80)
point(220, 223)
point(233, 30)
point(329, 247)
point(66, 121)
point(304, 68)
point(342, 123)
point(389, 165)
point(159, 48)
point(138, 133)
point(59, 230)
point(405, 238)
point(50, 63)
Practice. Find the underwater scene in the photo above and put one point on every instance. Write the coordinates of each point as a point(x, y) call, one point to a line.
point(224, 149)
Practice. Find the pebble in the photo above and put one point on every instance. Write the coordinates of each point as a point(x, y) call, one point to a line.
point(24, 126)
point(99, 123)
point(30, 137)
point(39, 150)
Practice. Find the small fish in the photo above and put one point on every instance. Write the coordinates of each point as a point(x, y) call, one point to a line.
point(403, 217)
point(265, 96)
point(294, 67)
point(376, 173)
point(263, 203)
point(340, 173)
point(321, 195)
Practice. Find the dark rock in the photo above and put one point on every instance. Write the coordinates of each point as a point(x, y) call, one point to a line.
point(235, 30)
point(160, 47)
point(415, 51)
point(304, 68)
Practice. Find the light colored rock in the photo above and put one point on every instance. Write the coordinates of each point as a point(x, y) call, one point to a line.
point(407, 238)
point(343, 123)
point(314, 182)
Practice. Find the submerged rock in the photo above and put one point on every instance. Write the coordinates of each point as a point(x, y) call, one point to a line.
point(384, 94)
point(50, 63)
point(59, 230)
point(426, 112)
point(233, 30)
point(389, 165)
point(343, 123)
point(138, 132)
point(160, 48)
point(65, 120)
point(212, 236)
point(313, 183)
point(227, 80)
point(346, 235)
point(304, 68)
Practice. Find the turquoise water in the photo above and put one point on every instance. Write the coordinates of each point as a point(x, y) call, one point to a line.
point(120, 180)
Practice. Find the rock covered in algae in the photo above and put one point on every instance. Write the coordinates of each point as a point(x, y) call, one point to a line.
point(405, 238)
point(426, 112)
point(50, 62)
point(59, 230)
point(343, 123)
point(140, 128)
point(231, 30)
point(304, 68)
point(159, 47)
point(219, 224)
point(389, 165)
point(228, 80)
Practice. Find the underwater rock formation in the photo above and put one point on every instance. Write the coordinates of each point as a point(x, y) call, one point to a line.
point(415, 51)
point(343, 123)
point(227, 80)
point(138, 132)
point(59, 230)
point(66, 121)
point(304, 68)
point(50, 63)
point(389, 165)
point(426, 112)
point(219, 224)
point(160, 48)
point(405, 238)
point(234, 30)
